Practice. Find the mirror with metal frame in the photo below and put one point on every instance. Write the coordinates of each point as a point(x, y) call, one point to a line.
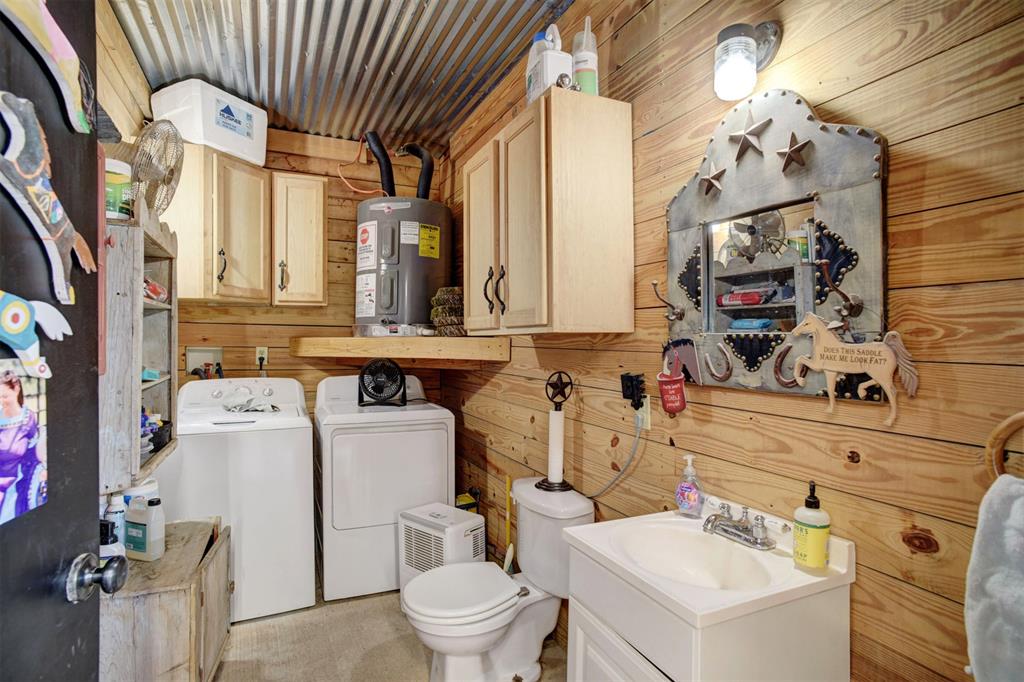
point(784, 217)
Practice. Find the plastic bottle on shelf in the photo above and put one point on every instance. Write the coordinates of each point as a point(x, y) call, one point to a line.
point(115, 514)
point(110, 544)
point(144, 529)
point(546, 63)
point(584, 59)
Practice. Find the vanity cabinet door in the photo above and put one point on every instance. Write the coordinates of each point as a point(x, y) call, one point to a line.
point(241, 231)
point(597, 654)
point(300, 239)
point(481, 222)
point(523, 271)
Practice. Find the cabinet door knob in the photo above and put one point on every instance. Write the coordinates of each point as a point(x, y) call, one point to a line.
point(490, 301)
point(223, 265)
point(283, 267)
point(497, 289)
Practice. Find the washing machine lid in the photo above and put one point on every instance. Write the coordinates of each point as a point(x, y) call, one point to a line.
point(202, 405)
point(459, 591)
point(222, 421)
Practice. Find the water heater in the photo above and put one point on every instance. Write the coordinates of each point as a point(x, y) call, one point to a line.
point(403, 256)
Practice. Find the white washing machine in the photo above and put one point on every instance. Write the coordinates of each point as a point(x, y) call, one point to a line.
point(255, 471)
point(377, 462)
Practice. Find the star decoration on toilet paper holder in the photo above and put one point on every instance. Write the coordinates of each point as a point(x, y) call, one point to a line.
point(558, 388)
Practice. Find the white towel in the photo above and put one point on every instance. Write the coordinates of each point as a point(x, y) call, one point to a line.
point(994, 608)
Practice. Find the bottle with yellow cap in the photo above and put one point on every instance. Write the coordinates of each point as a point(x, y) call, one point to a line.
point(810, 535)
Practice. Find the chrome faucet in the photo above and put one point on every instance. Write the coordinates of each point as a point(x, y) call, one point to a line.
point(753, 535)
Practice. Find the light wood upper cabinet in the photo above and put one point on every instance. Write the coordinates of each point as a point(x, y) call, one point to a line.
point(237, 223)
point(480, 186)
point(300, 253)
point(564, 210)
point(241, 230)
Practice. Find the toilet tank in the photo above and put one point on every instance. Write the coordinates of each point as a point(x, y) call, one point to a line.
point(541, 515)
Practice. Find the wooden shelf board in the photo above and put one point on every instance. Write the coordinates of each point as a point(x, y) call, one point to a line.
point(472, 348)
point(186, 543)
point(150, 304)
point(758, 306)
point(155, 460)
point(155, 382)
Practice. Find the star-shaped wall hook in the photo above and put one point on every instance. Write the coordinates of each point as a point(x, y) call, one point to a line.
point(713, 180)
point(792, 153)
point(749, 136)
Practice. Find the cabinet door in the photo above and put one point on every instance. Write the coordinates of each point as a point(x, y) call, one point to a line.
point(480, 223)
point(597, 654)
point(241, 231)
point(300, 253)
point(214, 605)
point(523, 268)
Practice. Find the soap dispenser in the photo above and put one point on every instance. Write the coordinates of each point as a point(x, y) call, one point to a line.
point(810, 534)
point(690, 492)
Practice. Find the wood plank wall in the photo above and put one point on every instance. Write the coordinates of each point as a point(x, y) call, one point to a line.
point(942, 80)
point(239, 329)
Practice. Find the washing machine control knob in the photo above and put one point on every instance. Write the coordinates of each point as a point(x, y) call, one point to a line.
point(218, 394)
point(268, 392)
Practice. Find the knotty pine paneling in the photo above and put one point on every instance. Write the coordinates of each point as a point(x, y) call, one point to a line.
point(942, 80)
point(239, 329)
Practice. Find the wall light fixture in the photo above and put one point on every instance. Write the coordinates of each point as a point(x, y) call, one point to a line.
point(742, 51)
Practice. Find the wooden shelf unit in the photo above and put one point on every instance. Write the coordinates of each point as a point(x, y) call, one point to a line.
point(140, 332)
point(472, 349)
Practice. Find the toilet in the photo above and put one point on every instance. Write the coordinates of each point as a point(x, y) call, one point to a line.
point(483, 624)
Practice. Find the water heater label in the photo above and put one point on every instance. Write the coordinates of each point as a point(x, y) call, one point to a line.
point(410, 231)
point(430, 241)
point(366, 295)
point(366, 245)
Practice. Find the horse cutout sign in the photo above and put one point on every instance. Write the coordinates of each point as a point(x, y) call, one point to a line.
point(880, 360)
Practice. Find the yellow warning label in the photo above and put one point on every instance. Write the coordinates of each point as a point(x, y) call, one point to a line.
point(430, 241)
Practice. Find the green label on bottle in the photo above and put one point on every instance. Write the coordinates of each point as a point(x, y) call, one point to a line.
point(136, 536)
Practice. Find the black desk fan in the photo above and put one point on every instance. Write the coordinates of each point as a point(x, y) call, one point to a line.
point(558, 390)
point(381, 382)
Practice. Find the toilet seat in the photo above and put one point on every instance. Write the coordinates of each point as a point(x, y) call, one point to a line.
point(457, 594)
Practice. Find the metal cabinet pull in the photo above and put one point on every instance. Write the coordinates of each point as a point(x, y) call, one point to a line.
point(223, 265)
point(490, 301)
point(282, 266)
point(497, 290)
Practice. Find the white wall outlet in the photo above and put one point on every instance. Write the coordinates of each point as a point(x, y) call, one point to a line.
point(645, 413)
point(262, 352)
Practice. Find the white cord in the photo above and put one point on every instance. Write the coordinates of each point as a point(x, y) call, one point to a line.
point(639, 421)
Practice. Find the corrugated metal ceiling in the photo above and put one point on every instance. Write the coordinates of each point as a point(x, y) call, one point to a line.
point(411, 69)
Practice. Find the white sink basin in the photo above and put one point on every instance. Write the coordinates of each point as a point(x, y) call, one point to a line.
point(705, 578)
point(686, 554)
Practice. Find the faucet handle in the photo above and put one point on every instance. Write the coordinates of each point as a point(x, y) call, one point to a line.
point(745, 517)
point(725, 509)
point(759, 530)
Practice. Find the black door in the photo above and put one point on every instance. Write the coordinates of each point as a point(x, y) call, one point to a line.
point(42, 635)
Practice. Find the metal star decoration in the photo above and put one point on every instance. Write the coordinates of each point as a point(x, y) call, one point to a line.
point(749, 136)
point(713, 180)
point(791, 154)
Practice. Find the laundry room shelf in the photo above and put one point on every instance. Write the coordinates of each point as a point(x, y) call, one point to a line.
point(156, 459)
point(472, 349)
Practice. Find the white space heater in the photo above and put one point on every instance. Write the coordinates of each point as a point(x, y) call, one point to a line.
point(434, 535)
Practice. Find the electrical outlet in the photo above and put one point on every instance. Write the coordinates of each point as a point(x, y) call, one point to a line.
point(262, 352)
point(645, 414)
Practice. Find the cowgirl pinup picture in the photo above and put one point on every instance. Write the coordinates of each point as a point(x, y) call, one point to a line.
point(22, 441)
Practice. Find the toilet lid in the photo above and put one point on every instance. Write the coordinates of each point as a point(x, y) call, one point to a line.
point(460, 590)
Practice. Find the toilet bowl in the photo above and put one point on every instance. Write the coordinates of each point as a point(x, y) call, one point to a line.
point(483, 624)
point(464, 614)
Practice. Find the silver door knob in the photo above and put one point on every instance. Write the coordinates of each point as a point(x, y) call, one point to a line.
point(85, 574)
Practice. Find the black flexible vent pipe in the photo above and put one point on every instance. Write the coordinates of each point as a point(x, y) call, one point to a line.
point(387, 176)
point(426, 168)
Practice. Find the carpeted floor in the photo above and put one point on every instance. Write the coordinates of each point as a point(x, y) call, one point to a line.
point(366, 639)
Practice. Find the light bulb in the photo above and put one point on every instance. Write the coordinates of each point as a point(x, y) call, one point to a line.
point(735, 62)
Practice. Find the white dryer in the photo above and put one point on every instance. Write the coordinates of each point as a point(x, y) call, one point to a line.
point(255, 471)
point(377, 462)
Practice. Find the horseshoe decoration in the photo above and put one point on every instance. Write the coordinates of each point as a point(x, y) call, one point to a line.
point(779, 359)
point(725, 375)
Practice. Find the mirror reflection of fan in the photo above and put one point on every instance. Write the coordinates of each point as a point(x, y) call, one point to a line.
point(753, 235)
point(156, 166)
point(381, 382)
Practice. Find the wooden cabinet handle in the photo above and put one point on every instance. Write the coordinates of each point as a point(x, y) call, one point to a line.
point(223, 265)
point(283, 267)
point(497, 289)
point(490, 301)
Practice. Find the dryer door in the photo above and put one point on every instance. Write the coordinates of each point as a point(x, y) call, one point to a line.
point(377, 474)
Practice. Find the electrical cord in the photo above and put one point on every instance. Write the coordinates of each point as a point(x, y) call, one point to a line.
point(639, 421)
